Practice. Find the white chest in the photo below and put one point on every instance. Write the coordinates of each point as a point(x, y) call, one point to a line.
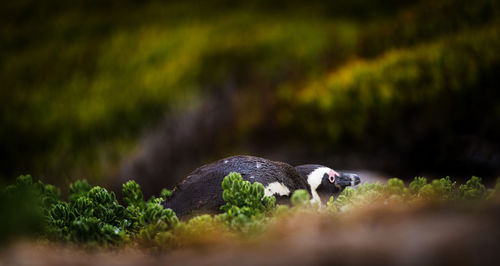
point(276, 188)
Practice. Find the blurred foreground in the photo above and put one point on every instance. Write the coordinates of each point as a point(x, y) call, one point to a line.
point(430, 223)
point(429, 234)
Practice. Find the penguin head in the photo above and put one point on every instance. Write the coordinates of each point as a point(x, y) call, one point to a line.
point(343, 179)
point(326, 180)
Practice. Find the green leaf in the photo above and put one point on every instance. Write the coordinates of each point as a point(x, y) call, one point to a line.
point(132, 194)
point(300, 197)
point(473, 189)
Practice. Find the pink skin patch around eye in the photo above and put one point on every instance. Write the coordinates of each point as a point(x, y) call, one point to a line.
point(331, 176)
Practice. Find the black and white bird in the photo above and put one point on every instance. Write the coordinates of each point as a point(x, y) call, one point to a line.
point(201, 191)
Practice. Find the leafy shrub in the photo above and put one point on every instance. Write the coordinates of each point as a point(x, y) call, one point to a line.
point(155, 220)
point(300, 197)
point(395, 191)
point(343, 200)
point(417, 184)
point(78, 189)
point(395, 186)
point(245, 205)
point(472, 190)
point(199, 230)
point(132, 194)
point(93, 217)
point(24, 206)
point(165, 194)
point(438, 189)
point(243, 194)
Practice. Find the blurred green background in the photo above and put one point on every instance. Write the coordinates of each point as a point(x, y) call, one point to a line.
point(111, 90)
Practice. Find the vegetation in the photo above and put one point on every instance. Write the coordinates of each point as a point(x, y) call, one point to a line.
point(246, 204)
point(82, 81)
point(92, 216)
point(418, 191)
point(102, 89)
point(387, 88)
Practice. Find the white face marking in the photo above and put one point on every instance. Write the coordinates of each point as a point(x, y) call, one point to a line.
point(353, 180)
point(258, 165)
point(276, 188)
point(226, 161)
point(314, 179)
point(252, 177)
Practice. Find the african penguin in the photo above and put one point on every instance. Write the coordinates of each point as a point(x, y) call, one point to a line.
point(325, 182)
point(201, 190)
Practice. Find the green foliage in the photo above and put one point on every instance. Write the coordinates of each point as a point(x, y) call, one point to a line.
point(243, 194)
point(77, 189)
point(245, 205)
point(472, 190)
point(156, 221)
point(281, 210)
point(24, 206)
point(165, 194)
point(395, 191)
point(198, 229)
point(344, 199)
point(363, 195)
point(395, 186)
point(93, 216)
point(132, 194)
point(197, 226)
point(300, 197)
point(417, 184)
point(438, 189)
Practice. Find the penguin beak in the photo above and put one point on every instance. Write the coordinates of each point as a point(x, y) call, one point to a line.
point(355, 179)
point(349, 179)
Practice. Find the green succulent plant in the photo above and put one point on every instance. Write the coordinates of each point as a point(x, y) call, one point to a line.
point(246, 204)
point(93, 217)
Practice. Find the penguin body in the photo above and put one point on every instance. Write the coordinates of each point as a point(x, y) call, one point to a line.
point(201, 190)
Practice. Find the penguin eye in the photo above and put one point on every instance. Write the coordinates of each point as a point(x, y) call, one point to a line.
point(331, 176)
